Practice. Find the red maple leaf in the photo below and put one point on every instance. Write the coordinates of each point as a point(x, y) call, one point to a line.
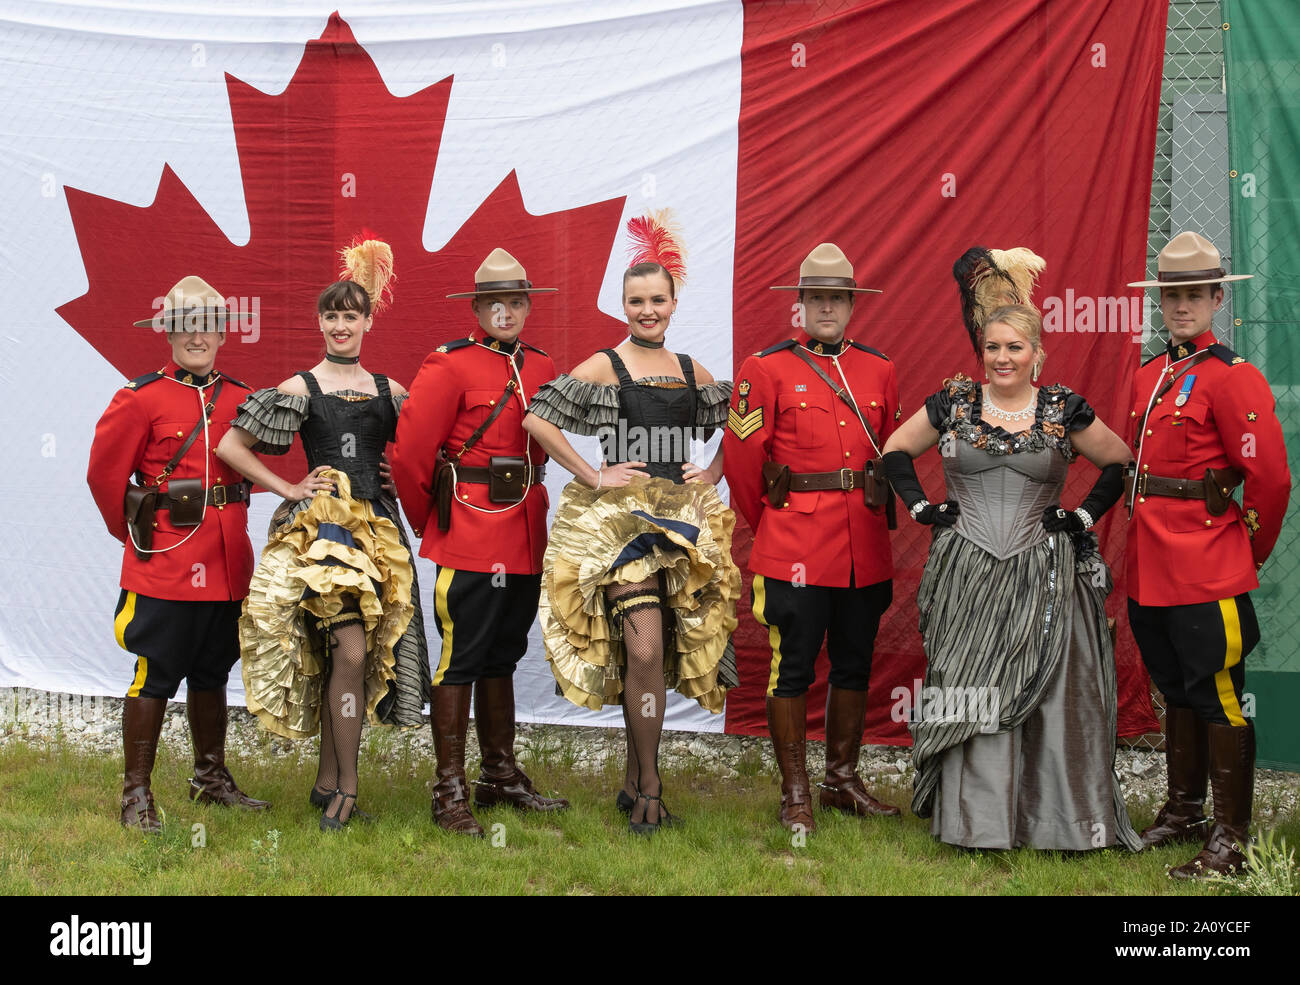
point(335, 128)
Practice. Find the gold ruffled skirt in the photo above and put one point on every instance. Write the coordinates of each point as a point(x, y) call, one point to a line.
point(306, 577)
point(623, 536)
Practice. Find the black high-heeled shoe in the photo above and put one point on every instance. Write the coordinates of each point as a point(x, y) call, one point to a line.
point(624, 803)
point(331, 822)
point(320, 799)
point(649, 827)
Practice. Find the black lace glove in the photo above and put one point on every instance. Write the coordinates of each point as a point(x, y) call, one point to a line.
point(902, 476)
point(1106, 492)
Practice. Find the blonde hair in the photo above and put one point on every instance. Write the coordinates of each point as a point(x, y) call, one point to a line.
point(1026, 320)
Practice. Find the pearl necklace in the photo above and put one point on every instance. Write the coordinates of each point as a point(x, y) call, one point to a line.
point(1017, 415)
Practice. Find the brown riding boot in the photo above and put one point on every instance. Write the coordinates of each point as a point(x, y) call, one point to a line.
point(842, 790)
point(1187, 755)
point(141, 726)
point(449, 719)
point(787, 720)
point(212, 782)
point(500, 779)
point(1232, 771)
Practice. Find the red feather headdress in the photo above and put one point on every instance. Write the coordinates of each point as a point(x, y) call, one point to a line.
point(657, 238)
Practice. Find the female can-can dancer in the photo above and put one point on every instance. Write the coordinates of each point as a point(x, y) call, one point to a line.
point(332, 631)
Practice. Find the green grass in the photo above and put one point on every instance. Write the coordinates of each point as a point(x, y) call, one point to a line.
point(59, 833)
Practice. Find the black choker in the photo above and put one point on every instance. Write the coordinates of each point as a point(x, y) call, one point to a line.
point(644, 344)
point(342, 360)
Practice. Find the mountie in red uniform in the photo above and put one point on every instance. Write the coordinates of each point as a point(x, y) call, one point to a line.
point(144, 426)
point(466, 409)
point(1202, 421)
point(1218, 414)
point(456, 390)
point(821, 556)
point(782, 411)
point(179, 607)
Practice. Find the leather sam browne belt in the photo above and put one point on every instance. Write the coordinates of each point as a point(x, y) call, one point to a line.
point(780, 482)
point(1216, 488)
point(217, 496)
point(843, 479)
point(508, 477)
point(466, 473)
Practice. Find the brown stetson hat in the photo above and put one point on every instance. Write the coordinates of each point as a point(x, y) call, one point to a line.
point(827, 266)
point(501, 273)
point(1189, 258)
point(193, 305)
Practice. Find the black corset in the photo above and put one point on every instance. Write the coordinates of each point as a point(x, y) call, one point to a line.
point(655, 425)
point(349, 435)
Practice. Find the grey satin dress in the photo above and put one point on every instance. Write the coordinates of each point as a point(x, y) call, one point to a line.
point(1014, 729)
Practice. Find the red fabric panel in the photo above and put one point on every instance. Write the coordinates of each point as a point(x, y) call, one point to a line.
point(852, 116)
point(333, 156)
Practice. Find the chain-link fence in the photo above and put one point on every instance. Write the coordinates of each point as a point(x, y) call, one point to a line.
point(1189, 183)
point(1220, 116)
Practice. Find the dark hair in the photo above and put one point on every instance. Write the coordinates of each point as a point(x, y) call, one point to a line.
point(344, 295)
point(647, 269)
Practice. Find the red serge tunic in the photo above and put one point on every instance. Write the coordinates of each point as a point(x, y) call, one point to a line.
point(145, 424)
point(457, 388)
point(1177, 552)
point(783, 411)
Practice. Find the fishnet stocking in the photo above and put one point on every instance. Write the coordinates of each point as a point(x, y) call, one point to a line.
point(638, 607)
point(327, 773)
point(346, 703)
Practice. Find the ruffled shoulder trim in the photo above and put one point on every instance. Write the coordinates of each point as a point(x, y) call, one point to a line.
point(711, 407)
point(577, 406)
point(960, 389)
point(273, 418)
point(1074, 413)
point(399, 399)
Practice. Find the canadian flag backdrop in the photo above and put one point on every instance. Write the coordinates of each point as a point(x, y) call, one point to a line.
point(145, 143)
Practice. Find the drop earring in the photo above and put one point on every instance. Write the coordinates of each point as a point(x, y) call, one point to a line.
point(1037, 368)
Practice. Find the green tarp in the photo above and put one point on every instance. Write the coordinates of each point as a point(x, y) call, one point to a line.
point(1261, 43)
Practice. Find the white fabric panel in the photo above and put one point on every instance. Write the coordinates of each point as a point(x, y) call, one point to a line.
point(586, 100)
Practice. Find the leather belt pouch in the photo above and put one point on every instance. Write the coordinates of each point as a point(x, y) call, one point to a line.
point(442, 491)
point(776, 479)
point(138, 506)
point(507, 478)
point(185, 500)
point(1219, 484)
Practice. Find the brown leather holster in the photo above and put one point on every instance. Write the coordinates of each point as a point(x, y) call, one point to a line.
point(138, 508)
point(776, 480)
point(443, 488)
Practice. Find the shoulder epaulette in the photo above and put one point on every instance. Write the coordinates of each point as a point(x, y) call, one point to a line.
point(786, 344)
point(534, 348)
point(867, 348)
point(145, 380)
point(238, 383)
point(1224, 354)
point(453, 346)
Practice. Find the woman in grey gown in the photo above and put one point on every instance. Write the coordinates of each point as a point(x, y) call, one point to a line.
point(1014, 732)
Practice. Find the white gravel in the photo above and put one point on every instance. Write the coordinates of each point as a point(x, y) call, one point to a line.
point(95, 724)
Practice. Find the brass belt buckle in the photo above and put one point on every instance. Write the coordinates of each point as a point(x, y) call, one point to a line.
point(528, 477)
point(846, 480)
point(1141, 484)
point(218, 495)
